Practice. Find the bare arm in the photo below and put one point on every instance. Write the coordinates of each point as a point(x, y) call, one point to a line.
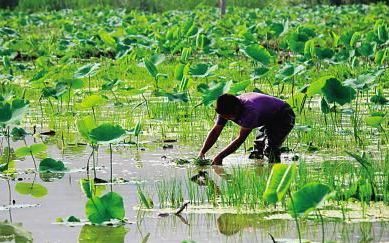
point(233, 146)
point(211, 139)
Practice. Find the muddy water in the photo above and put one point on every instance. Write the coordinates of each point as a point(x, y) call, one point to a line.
point(65, 198)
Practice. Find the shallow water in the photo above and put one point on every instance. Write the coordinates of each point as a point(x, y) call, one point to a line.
point(65, 198)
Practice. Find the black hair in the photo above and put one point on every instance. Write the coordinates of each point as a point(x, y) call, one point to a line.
point(228, 104)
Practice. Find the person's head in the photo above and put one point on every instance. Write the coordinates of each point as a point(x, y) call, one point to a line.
point(228, 106)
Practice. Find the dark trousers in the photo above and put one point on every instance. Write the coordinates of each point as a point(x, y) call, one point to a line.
point(269, 138)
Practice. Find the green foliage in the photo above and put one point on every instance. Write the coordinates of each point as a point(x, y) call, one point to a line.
point(104, 208)
point(332, 90)
point(87, 70)
point(279, 182)
point(34, 189)
point(308, 198)
point(258, 53)
point(51, 165)
point(92, 101)
point(202, 70)
point(106, 133)
point(11, 112)
point(15, 233)
point(34, 149)
point(145, 201)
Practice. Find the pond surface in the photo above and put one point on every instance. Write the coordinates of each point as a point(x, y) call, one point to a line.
point(145, 167)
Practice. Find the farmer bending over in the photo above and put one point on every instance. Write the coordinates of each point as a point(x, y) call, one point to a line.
point(273, 117)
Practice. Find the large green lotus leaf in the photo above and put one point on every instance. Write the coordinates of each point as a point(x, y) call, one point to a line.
point(202, 70)
point(316, 86)
point(14, 233)
point(18, 133)
point(96, 211)
point(239, 87)
point(51, 165)
point(308, 198)
point(324, 53)
point(215, 91)
point(366, 49)
point(278, 182)
point(87, 70)
point(92, 101)
point(73, 83)
point(102, 234)
point(85, 125)
point(259, 72)
point(109, 206)
point(334, 91)
point(114, 204)
point(258, 53)
point(22, 152)
point(34, 149)
point(5, 112)
point(288, 71)
point(375, 120)
point(34, 189)
point(38, 148)
point(107, 133)
point(361, 82)
point(19, 108)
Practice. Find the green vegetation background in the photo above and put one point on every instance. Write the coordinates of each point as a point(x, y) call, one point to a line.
point(160, 5)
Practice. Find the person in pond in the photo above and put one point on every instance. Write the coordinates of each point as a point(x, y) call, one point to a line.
point(273, 118)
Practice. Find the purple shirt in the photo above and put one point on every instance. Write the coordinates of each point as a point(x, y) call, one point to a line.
point(258, 110)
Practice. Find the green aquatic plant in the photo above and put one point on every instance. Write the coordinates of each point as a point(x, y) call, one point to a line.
point(99, 135)
point(202, 162)
point(15, 232)
point(34, 189)
point(100, 208)
point(144, 199)
point(12, 111)
point(104, 208)
point(308, 198)
point(32, 151)
point(88, 70)
point(51, 165)
point(279, 181)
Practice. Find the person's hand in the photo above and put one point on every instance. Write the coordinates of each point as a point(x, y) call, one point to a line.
point(201, 155)
point(217, 161)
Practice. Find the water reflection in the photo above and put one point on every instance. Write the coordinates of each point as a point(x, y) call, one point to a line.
point(102, 234)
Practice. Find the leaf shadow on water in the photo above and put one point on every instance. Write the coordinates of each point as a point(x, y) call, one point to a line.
point(51, 176)
point(102, 234)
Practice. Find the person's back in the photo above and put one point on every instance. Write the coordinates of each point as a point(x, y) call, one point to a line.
point(257, 110)
point(273, 117)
